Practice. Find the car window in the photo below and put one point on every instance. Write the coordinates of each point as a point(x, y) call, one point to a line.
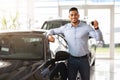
point(21, 46)
point(53, 24)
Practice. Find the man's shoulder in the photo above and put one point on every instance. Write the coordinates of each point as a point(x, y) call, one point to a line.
point(67, 25)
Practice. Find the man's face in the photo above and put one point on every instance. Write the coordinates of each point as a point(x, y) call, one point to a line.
point(73, 16)
point(95, 23)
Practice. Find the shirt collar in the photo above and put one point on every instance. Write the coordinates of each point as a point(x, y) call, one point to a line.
point(77, 26)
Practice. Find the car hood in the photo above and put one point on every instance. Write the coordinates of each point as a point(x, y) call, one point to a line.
point(17, 69)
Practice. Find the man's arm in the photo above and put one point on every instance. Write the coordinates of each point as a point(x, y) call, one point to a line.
point(98, 35)
point(54, 32)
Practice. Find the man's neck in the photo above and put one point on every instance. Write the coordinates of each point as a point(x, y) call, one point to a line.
point(75, 24)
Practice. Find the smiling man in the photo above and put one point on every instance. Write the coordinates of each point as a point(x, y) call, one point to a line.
point(77, 35)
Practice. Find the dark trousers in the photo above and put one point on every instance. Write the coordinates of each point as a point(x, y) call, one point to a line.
point(59, 68)
point(80, 65)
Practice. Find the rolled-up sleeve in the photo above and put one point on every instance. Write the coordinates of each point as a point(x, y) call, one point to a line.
point(97, 34)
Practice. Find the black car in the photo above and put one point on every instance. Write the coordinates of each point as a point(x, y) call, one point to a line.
point(22, 54)
point(55, 23)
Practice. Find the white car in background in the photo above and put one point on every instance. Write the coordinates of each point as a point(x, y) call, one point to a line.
point(60, 42)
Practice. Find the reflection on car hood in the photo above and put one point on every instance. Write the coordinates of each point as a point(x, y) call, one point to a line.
point(4, 64)
point(16, 69)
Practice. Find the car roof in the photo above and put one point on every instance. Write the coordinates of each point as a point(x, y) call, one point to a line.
point(22, 31)
point(58, 20)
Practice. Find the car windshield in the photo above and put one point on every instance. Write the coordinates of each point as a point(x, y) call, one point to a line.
point(21, 46)
point(54, 24)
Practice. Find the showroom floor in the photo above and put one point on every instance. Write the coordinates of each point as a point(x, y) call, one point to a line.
point(106, 70)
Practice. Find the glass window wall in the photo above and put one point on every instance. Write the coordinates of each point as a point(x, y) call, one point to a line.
point(32, 13)
point(117, 30)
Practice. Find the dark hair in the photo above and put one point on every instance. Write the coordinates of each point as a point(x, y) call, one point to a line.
point(92, 22)
point(73, 9)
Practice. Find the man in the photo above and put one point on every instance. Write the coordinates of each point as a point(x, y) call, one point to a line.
point(77, 34)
